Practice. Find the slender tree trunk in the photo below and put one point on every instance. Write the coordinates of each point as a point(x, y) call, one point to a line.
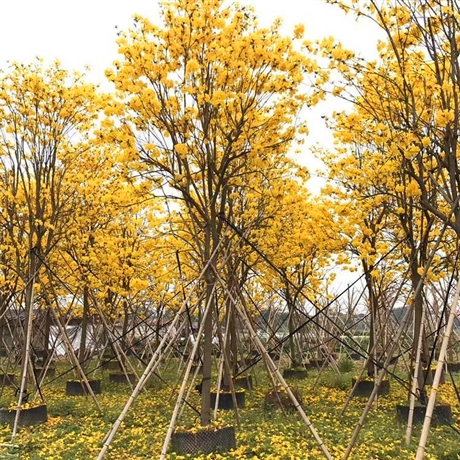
point(4, 301)
point(46, 334)
point(228, 370)
point(124, 331)
point(233, 341)
point(372, 325)
point(28, 320)
point(158, 327)
point(84, 328)
point(207, 351)
point(292, 347)
point(424, 355)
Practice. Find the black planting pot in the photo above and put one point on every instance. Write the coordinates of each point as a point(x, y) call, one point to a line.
point(299, 374)
point(50, 372)
point(274, 354)
point(122, 378)
point(111, 365)
point(226, 400)
point(198, 387)
point(41, 354)
point(204, 441)
point(432, 372)
point(442, 414)
point(453, 367)
point(78, 388)
point(27, 417)
point(365, 387)
point(7, 379)
point(244, 382)
point(195, 367)
point(315, 363)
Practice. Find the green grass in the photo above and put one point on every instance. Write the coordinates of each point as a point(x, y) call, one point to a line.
point(75, 429)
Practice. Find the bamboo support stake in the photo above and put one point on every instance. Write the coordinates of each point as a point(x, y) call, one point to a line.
point(390, 353)
point(152, 365)
point(437, 377)
point(403, 326)
point(224, 362)
point(377, 384)
point(363, 369)
point(320, 373)
point(319, 346)
point(74, 359)
point(275, 370)
point(291, 395)
point(183, 361)
point(28, 339)
point(120, 354)
point(220, 372)
point(172, 424)
point(192, 382)
point(410, 417)
point(149, 370)
point(180, 396)
point(179, 372)
point(233, 391)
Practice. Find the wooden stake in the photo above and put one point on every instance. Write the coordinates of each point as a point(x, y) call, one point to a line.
point(272, 366)
point(437, 376)
point(69, 348)
point(152, 365)
point(28, 338)
point(180, 396)
point(377, 384)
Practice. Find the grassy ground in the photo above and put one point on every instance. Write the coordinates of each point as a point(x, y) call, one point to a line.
point(75, 428)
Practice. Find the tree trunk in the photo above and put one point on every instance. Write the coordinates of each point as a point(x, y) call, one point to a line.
point(418, 315)
point(292, 348)
point(124, 331)
point(233, 341)
point(46, 334)
point(84, 328)
point(372, 325)
point(207, 351)
point(28, 318)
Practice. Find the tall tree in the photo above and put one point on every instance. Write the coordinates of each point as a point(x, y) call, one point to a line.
point(46, 115)
point(208, 99)
point(405, 116)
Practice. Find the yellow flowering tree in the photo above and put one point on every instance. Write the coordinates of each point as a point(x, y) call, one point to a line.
point(297, 239)
point(107, 256)
point(404, 117)
point(206, 100)
point(46, 114)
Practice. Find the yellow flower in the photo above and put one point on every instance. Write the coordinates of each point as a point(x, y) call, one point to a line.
point(299, 31)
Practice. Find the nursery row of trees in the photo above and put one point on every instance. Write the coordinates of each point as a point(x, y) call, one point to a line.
point(112, 204)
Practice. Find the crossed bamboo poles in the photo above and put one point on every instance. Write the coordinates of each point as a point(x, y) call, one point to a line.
point(236, 301)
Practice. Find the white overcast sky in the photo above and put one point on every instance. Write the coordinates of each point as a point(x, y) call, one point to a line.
point(80, 32)
point(83, 32)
